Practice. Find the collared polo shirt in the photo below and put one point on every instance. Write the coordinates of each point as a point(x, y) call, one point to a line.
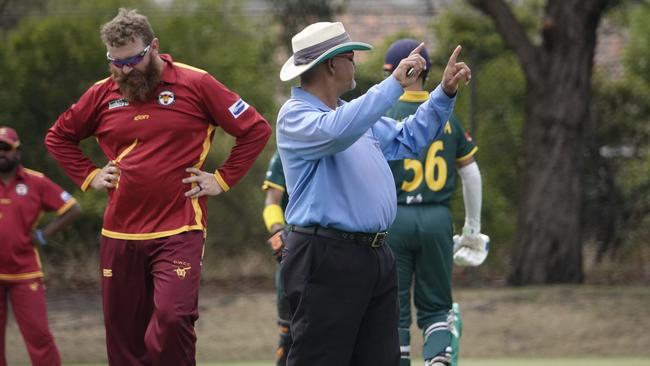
point(22, 202)
point(152, 143)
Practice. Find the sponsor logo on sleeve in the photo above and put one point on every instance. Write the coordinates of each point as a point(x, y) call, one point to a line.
point(166, 98)
point(122, 102)
point(238, 108)
point(468, 137)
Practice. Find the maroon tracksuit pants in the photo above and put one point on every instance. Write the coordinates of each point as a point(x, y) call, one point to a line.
point(28, 305)
point(150, 292)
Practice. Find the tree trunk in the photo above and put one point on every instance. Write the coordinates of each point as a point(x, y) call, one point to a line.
point(548, 247)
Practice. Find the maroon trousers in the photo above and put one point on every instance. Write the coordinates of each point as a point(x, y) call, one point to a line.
point(150, 292)
point(28, 304)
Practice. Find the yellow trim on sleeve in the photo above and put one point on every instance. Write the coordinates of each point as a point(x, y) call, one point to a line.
point(89, 178)
point(268, 184)
point(147, 236)
point(466, 157)
point(102, 80)
point(222, 183)
point(186, 66)
point(66, 206)
point(272, 215)
point(414, 96)
point(207, 141)
point(33, 172)
point(22, 276)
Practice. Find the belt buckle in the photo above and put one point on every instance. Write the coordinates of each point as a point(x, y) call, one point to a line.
point(379, 239)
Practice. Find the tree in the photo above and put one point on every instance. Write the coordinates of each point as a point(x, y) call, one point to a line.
point(558, 72)
point(296, 14)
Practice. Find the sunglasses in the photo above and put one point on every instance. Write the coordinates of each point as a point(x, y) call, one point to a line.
point(6, 147)
point(349, 56)
point(129, 61)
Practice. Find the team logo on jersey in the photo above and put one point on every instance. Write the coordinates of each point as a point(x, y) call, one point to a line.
point(33, 286)
point(166, 98)
point(468, 137)
point(65, 196)
point(21, 189)
point(122, 102)
point(237, 108)
point(107, 272)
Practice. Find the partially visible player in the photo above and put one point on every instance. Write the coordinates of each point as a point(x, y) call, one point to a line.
point(24, 195)
point(421, 236)
point(274, 205)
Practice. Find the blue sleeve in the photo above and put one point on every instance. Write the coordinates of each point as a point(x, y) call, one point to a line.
point(406, 139)
point(313, 133)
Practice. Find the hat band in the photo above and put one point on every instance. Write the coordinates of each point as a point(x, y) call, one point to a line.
point(309, 54)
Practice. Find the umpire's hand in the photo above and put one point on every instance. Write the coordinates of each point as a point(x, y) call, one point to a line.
point(203, 184)
point(454, 72)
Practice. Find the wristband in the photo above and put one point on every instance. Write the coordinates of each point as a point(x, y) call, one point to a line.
point(272, 215)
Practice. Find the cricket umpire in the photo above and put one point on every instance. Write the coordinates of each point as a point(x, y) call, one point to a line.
point(340, 278)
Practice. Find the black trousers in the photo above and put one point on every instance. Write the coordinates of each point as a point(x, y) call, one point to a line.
point(343, 299)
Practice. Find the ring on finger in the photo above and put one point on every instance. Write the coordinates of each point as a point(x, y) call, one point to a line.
point(200, 187)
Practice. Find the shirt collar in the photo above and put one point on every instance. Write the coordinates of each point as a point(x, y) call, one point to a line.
point(299, 93)
point(168, 75)
point(414, 96)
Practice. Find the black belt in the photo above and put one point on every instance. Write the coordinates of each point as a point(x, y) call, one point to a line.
point(372, 239)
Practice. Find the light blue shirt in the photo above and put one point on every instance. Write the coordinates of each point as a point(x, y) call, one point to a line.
point(335, 161)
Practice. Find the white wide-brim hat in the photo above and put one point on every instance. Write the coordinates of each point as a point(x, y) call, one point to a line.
point(316, 43)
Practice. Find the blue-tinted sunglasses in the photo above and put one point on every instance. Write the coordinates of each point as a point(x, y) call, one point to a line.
point(129, 61)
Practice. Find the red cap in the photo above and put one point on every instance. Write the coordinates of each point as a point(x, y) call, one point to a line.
point(9, 135)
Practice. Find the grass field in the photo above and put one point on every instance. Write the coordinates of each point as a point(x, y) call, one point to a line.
point(528, 326)
point(607, 361)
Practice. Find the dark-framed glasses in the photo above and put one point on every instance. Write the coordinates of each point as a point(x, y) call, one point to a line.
point(347, 55)
point(6, 147)
point(129, 61)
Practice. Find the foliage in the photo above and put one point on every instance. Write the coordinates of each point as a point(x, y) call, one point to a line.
point(55, 56)
point(617, 201)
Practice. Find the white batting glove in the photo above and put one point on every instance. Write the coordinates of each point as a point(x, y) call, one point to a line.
point(471, 249)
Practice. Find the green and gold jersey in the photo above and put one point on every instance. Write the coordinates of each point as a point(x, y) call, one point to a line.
point(431, 178)
point(275, 178)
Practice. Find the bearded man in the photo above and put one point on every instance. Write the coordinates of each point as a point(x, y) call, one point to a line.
point(154, 119)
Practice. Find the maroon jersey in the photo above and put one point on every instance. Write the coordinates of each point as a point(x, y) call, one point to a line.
point(153, 143)
point(22, 202)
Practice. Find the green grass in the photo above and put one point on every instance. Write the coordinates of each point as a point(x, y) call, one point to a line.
point(551, 361)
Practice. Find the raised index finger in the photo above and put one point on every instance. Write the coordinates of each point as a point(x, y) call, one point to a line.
point(454, 56)
point(417, 49)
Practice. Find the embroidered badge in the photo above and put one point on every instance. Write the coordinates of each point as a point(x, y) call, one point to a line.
point(238, 108)
point(21, 189)
point(166, 98)
point(181, 268)
point(107, 272)
point(122, 102)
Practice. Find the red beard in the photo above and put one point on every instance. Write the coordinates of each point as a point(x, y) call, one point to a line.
point(137, 86)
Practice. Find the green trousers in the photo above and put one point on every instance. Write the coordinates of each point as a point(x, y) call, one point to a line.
point(421, 239)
